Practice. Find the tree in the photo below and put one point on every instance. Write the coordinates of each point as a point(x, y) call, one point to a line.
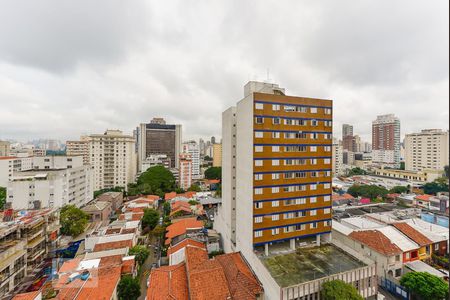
point(157, 179)
point(194, 188)
point(425, 285)
point(399, 189)
point(213, 173)
point(2, 197)
point(356, 171)
point(338, 289)
point(159, 230)
point(367, 191)
point(150, 218)
point(166, 208)
point(128, 288)
point(141, 253)
point(402, 165)
point(73, 220)
point(439, 185)
point(207, 158)
point(193, 202)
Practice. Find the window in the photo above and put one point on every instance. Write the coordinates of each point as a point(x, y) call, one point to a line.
point(327, 223)
point(275, 217)
point(275, 176)
point(314, 174)
point(258, 176)
point(327, 111)
point(258, 163)
point(313, 212)
point(436, 247)
point(326, 198)
point(314, 136)
point(407, 255)
point(259, 106)
point(398, 272)
point(258, 219)
point(259, 134)
point(300, 227)
point(259, 120)
point(258, 205)
point(258, 233)
point(275, 135)
point(313, 110)
point(275, 203)
point(275, 190)
point(295, 148)
point(275, 162)
point(289, 108)
point(275, 107)
point(327, 161)
point(275, 148)
point(313, 148)
point(313, 200)
point(288, 229)
point(275, 231)
point(397, 258)
point(327, 148)
point(313, 225)
point(313, 187)
point(326, 211)
point(314, 123)
point(276, 121)
point(258, 191)
point(258, 148)
point(328, 123)
point(326, 185)
point(327, 173)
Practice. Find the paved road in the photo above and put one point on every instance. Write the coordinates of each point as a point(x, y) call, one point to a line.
point(146, 267)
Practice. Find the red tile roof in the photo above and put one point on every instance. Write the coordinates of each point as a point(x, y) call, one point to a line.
point(153, 197)
point(128, 265)
point(181, 226)
point(113, 245)
point(169, 196)
point(27, 296)
point(208, 274)
point(413, 234)
point(423, 197)
point(168, 283)
point(336, 197)
point(178, 204)
point(377, 241)
point(185, 210)
point(183, 244)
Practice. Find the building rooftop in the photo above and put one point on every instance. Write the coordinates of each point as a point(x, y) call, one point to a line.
point(96, 206)
point(412, 233)
point(307, 264)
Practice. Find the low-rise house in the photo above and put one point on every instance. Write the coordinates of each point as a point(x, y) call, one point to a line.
point(426, 245)
point(98, 211)
point(344, 199)
point(196, 277)
point(439, 235)
point(180, 228)
point(422, 201)
point(115, 198)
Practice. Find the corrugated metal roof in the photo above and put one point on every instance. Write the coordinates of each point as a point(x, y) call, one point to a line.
point(398, 238)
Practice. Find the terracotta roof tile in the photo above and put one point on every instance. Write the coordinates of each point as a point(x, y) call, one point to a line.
point(113, 245)
point(413, 234)
point(180, 227)
point(185, 243)
point(377, 241)
point(27, 296)
point(423, 197)
point(208, 274)
point(169, 196)
point(168, 283)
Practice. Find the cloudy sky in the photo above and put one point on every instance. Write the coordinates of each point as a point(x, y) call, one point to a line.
point(71, 67)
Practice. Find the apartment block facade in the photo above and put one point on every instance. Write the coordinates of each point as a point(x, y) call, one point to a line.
point(113, 159)
point(386, 141)
point(5, 148)
point(337, 156)
point(281, 169)
point(427, 150)
point(79, 148)
point(217, 155)
point(186, 169)
point(193, 149)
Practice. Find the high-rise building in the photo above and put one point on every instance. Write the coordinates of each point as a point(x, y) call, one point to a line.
point(347, 130)
point(5, 148)
point(79, 148)
point(192, 148)
point(337, 158)
point(277, 153)
point(427, 150)
point(185, 174)
point(113, 158)
point(217, 155)
point(386, 141)
point(213, 140)
point(157, 137)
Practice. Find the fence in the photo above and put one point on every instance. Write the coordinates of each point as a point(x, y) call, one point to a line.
point(394, 289)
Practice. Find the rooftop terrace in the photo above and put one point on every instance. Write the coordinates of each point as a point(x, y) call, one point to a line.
point(307, 264)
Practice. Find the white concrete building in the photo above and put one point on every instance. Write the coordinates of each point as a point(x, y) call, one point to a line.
point(52, 187)
point(79, 148)
point(337, 158)
point(9, 165)
point(427, 150)
point(193, 149)
point(113, 159)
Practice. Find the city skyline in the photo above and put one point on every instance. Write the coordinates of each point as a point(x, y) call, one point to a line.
point(84, 77)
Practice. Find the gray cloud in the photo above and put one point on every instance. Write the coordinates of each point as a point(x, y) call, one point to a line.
point(74, 67)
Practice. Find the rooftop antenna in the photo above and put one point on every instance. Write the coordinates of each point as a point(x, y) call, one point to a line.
point(268, 75)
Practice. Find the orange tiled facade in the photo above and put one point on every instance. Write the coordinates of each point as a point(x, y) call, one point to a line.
point(292, 156)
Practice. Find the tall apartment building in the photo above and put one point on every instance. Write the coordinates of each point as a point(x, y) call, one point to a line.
point(10, 164)
point(113, 159)
point(193, 149)
point(217, 155)
point(337, 158)
point(5, 148)
point(427, 150)
point(280, 170)
point(386, 141)
point(347, 130)
point(157, 137)
point(52, 183)
point(185, 174)
point(79, 148)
